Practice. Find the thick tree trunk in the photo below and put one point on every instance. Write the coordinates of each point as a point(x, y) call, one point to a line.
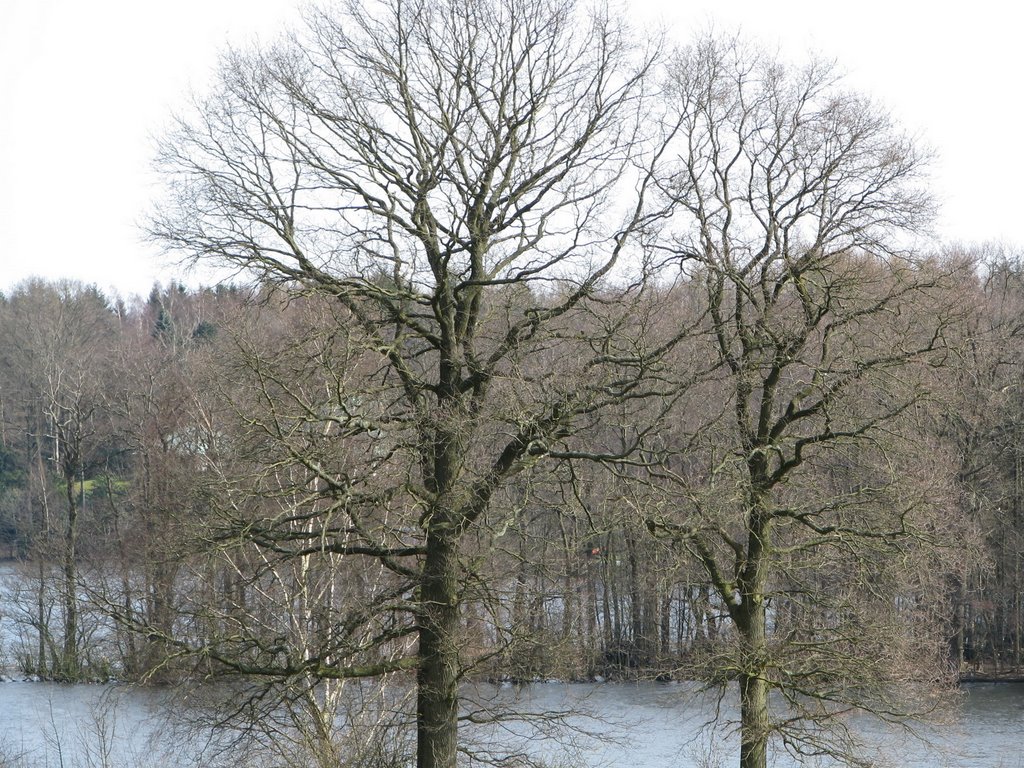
point(754, 715)
point(437, 678)
point(752, 625)
point(69, 664)
point(754, 724)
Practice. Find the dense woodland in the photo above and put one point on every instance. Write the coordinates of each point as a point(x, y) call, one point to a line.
point(145, 496)
point(548, 354)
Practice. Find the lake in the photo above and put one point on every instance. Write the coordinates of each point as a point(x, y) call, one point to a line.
point(645, 725)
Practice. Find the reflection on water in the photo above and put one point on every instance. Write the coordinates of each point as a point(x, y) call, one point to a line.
point(645, 725)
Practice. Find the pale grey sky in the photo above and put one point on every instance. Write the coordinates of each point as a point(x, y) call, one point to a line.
point(85, 86)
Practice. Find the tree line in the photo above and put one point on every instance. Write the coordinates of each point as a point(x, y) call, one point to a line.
point(159, 529)
point(558, 356)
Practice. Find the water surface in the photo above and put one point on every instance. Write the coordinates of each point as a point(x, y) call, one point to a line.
point(645, 725)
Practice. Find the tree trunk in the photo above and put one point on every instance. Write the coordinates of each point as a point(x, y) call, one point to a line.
point(637, 617)
point(754, 725)
point(437, 677)
point(41, 618)
point(665, 623)
point(606, 601)
point(69, 663)
point(752, 625)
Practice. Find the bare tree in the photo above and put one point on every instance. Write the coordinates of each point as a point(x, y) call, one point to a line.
point(461, 178)
point(980, 421)
point(165, 356)
point(796, 201)
point(58, 371)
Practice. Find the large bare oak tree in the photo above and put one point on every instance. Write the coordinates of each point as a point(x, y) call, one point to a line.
point(460, 178)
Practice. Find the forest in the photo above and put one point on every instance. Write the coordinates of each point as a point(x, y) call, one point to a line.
point(163, 513)
point(543, 354)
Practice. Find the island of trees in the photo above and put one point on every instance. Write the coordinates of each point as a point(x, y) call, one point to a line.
point(546, 353)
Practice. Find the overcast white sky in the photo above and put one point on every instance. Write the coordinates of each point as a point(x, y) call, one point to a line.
point(85, 86)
